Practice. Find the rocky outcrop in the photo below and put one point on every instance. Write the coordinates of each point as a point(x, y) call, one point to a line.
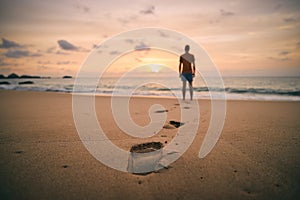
point(29, 76)
point(13, 75)
point(26, 82)
point(4, 83)
point(67, 77)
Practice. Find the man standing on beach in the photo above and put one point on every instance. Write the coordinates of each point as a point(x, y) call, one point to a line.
point(187, 71)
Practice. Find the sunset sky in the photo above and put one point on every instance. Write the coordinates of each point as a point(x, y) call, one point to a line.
point(243, 38)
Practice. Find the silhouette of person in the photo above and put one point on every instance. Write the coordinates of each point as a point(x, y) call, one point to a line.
point(187, 70)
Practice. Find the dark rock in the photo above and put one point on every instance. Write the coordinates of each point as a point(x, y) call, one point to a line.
point(26, 82)
point(4, 83)
point(65, 166)
point(2, 76)
point(67, 76)
point(13, 75)
point(19, 152)
point(29, 76)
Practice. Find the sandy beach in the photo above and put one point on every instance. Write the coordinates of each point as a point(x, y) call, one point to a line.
point(42, 157)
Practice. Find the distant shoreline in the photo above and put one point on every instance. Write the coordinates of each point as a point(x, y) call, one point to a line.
point(25, 76)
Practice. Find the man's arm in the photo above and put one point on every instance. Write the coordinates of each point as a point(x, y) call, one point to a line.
point(194, 67)
point(179, 68)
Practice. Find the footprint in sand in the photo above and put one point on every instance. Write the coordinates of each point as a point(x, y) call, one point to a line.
point(19, 152)
point(167, 126)
point(173, 124)
point(176, 124)
point(161, 111)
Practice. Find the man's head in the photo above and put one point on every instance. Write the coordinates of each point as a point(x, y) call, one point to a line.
point(187, 48)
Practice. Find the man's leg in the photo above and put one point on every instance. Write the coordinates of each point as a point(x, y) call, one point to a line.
point(183, 89)
point(191, 89)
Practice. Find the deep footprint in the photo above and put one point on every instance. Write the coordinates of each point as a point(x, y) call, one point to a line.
point(176, 124)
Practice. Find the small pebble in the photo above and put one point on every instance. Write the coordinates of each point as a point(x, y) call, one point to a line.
point(18, 152)
point(139, 182)
point(65, 166)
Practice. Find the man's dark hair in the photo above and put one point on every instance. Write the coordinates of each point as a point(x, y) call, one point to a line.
point(187, 48)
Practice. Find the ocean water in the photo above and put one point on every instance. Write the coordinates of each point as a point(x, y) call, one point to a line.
point(236, 88)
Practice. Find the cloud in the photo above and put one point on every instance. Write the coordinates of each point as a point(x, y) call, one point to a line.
point(163, 34)
point(123, 21)
point(290, 19)
point(148, 11)
point(50, 49)
point(96, 46)
point(130, 41)
point(83, 8)
point(5, 70)
point(6, 44)
point(61, 53)
point(114, 52)
point(142, 46)
point(226, 13)
point(20, 54)
point(99, 45)
point(279, 59)
point(283, 53)
point(65, 45)
point(63, 62)
point(44, 62)
point(2, 63)
point(216, 21)
point(277, 6)
point(126, 20)
point(45, 67)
